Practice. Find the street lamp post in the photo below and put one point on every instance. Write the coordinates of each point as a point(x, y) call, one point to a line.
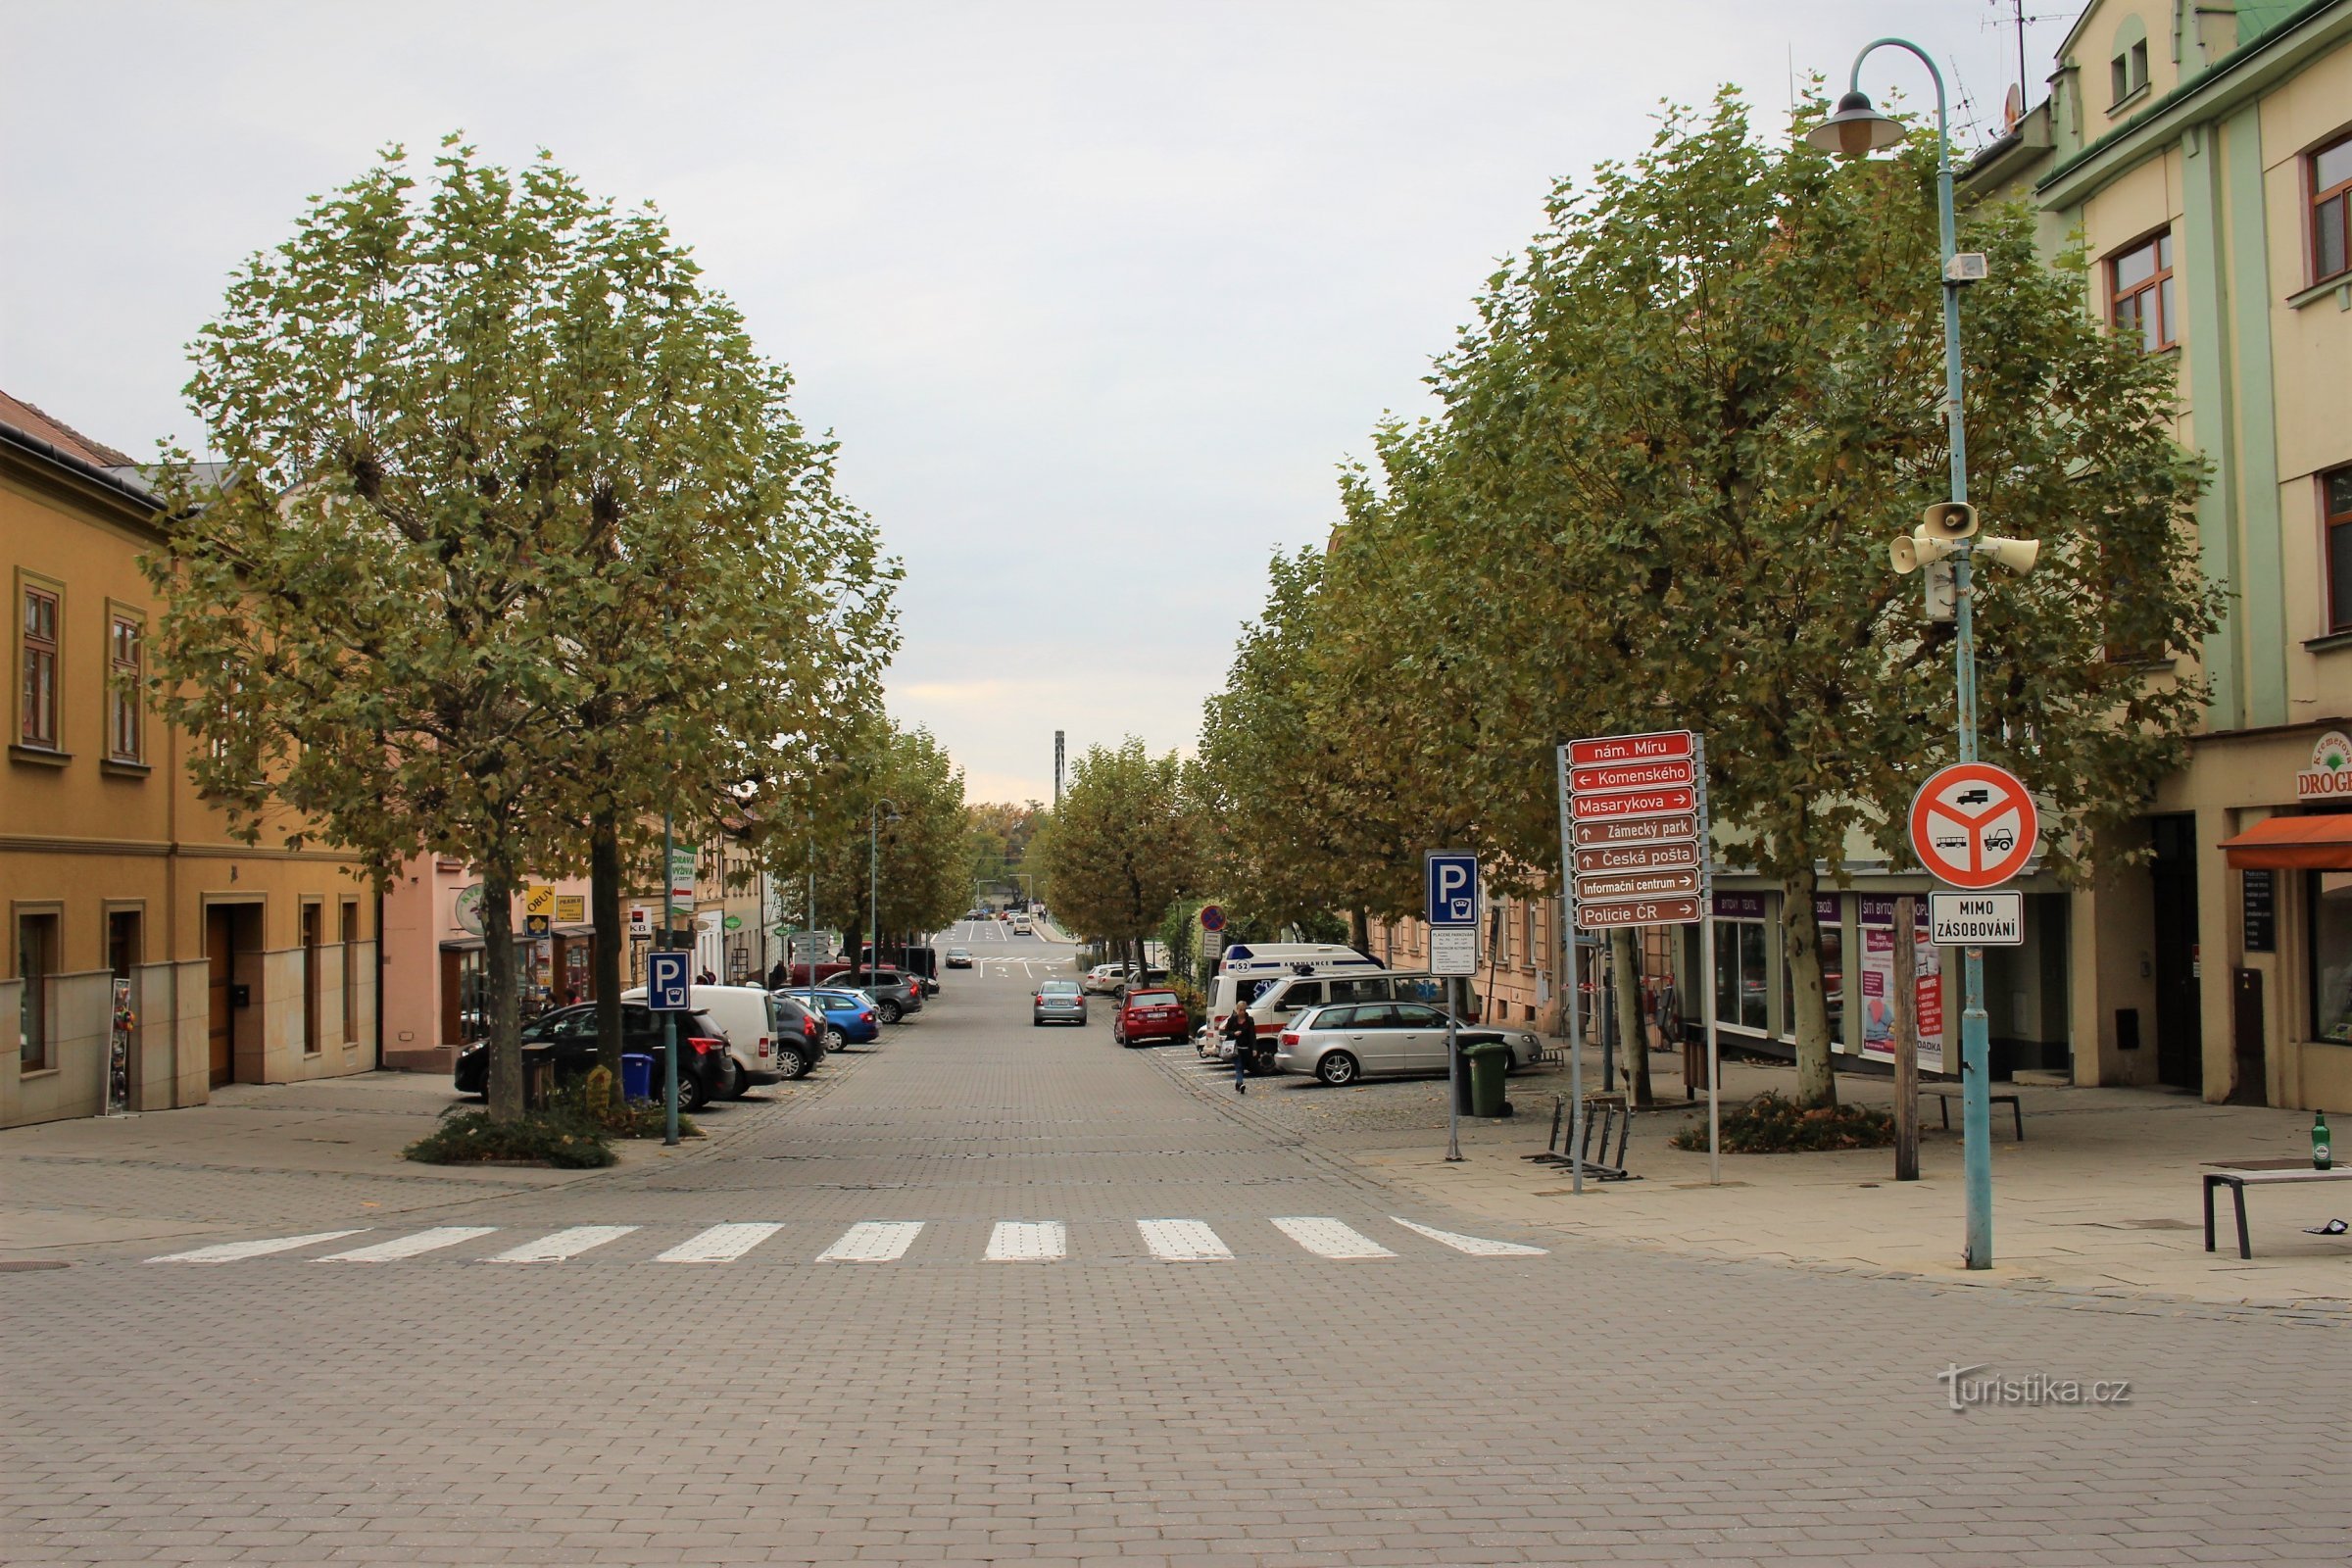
point(1854, 129)
point(873, 881)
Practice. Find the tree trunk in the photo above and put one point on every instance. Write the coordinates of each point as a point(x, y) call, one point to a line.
point(1906, 1041)
point(1633, 1042)
point(500, 999)
point(604, 914)
point(1359, 930)
point(1801, 934)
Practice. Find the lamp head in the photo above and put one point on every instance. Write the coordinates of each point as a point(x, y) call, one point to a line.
point(1856, 128)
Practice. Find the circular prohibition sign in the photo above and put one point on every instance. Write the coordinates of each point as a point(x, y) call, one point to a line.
point(1973, 825)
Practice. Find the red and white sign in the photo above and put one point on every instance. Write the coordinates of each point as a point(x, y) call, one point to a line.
point(1676, 802)
point(1612, 776)
point(2330, 775)
point(1629, 748)
point(1973, 825)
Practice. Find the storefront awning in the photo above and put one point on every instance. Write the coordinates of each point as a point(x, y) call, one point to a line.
point(2293, 844)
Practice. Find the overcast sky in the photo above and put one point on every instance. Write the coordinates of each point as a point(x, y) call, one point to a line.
point(1096, 296)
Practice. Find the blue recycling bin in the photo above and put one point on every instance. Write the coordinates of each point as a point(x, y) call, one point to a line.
point(636, 1076)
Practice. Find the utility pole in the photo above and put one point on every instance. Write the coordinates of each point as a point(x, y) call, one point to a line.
point(1058, 756)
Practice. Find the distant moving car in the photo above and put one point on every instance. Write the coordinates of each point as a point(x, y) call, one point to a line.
point(705, 1070)
point(895, 992)
point(959, 958)
point(1339, 1044)
point(1059, 1001)
point(1145, 1014)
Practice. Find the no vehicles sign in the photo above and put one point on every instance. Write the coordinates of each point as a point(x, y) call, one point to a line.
point(1973, 825)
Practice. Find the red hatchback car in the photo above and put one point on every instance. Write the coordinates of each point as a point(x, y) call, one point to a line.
point(1151, 1015)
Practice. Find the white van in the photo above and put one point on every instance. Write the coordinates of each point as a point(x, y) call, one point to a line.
point(1283, 1000)
point(1246, 971)
point(766, 1044)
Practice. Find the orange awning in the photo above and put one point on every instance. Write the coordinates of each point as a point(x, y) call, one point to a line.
point(2293, 844)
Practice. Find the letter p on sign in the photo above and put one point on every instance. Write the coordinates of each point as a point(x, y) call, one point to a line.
point(1451, 877)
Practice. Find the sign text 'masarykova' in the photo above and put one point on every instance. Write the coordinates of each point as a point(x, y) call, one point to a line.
point(1636, 802)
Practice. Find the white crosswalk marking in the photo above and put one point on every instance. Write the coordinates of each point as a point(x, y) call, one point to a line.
point(232, 1252)
point(873, 1241)
point(563, 1244)
point(1184, 1241)
point(1329, 1238)
point(1475, 1245)
point(1019, 1241)
point(720, 1244)
point(431, 1240)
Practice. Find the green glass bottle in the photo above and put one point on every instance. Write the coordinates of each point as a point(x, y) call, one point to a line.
point(2322, 1157)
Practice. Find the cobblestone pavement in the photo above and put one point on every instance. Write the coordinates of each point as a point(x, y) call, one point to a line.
point(1078, 1397)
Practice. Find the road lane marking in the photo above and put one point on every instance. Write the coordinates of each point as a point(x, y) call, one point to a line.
point(1329, 1238)
point(1475, 1245)
point(720, 1244)
point(1021, 1241)
point(563, 1244)
point(232, 1252)
point(873, 1241)
point(1184, 1241)
point(431, 1240)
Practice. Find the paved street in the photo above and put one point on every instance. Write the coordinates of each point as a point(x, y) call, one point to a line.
point(999, 1293)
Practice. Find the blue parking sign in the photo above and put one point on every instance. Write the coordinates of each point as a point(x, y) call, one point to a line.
point(1452, 880)
point(668, 983)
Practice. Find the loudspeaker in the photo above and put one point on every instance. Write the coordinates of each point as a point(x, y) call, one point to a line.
point(1947, 520)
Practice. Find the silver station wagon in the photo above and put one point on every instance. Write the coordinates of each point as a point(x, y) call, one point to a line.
point(1383, 1039)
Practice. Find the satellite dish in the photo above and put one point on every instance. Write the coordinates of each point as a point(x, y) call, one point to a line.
point(2013, 108)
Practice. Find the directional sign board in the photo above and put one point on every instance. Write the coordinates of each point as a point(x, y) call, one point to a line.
point(1973, 825)
point(1451, 877)
point(1633, 809)
point(668, 983)
point(1976, 919)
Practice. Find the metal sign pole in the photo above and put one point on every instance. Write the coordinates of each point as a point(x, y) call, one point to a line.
point(669, 1023)
point(1707, 926)
point(1576, 1041)
point(1453, 1073)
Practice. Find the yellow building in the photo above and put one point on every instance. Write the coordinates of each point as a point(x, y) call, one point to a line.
point(2202, 152)
point(233, 962)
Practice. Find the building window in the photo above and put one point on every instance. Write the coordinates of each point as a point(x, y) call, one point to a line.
point(2335, 504)
point(1833, 971)
point(1527, 931)
point(126, 665)
point(36, 966)
point(2331, 176)
point(1739, 951)
point(2128, 71)
point(350, 971)
point(122, 942)
point(2331, 897)
point(2140, 288)
point(36, 657)
point(311, 918)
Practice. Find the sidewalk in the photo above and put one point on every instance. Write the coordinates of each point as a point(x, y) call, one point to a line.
point(281, 1154)
point(2103, 1195)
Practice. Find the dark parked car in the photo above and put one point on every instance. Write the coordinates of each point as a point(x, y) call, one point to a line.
point(894, 992)
point(705, 1070)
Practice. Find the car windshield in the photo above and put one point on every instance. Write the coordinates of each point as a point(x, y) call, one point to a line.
point(1150, 998)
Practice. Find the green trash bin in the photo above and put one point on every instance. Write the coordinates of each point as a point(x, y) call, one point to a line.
point(1488, 1064)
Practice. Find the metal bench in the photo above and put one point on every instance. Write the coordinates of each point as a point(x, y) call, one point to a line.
point(2237, 1174)
point(1945, 1094)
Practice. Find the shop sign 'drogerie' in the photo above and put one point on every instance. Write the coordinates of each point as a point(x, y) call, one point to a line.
point(2330, 775)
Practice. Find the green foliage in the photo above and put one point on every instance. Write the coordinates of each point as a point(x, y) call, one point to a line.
point(613, 1115)
point(890, 792)
point(1125, 844)
point(565, 1141)
point(1770, 1124)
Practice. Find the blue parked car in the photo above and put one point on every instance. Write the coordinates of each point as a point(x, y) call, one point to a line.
point(848, 1015)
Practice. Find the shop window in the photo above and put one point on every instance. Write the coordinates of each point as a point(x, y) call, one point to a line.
point(125, 671)
point(2335, 503)
point(1741, 945)
point(2140, 292)
point(1833, 972)
point(37, 661)
point(2331, 899)
point(2330, 174)
point(36, 966)
point(313, 980)
point(350, 970)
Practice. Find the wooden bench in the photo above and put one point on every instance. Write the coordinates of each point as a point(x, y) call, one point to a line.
point(2236, 1174)
point(1945, 1094)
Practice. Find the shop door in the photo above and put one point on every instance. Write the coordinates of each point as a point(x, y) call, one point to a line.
point(219, 932)
point(2249, 1086)
point(2180, 1020)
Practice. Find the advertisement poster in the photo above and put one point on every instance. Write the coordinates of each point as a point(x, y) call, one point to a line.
point(1875, 917)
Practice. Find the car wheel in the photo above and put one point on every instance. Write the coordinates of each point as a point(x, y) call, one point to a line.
point(739, 1081)
point(835, 1039)
point(1338, 1069)
point(791, 1062)
point(887, 1011)
point(693, 1095)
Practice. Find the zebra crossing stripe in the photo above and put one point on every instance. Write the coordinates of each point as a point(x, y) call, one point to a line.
point(232, 1252)
point(431, 1240)
point(1019, 1241)
point(1329, 1238)
point(1475, 1245)
point(563, 1244)
point(873, 1241)
point(720, 1244)
point(1184, 1241)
